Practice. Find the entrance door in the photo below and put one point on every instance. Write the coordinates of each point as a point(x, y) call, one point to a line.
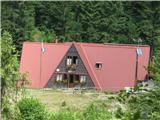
point(71, 80)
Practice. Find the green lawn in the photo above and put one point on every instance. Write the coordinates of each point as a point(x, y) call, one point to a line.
point(54, 99)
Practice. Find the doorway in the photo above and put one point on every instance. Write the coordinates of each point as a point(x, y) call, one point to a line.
point(71, 80)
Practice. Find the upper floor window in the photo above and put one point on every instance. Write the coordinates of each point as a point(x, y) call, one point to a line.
point(98, 65)
point(69, 60)
point(72, 60)
point(75, 60)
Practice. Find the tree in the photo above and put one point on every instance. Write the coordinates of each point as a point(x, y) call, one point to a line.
point(9, 73)
point(18, 20)
point(100, 22)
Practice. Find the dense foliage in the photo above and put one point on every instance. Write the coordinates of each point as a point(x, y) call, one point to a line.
point(9, 73)
point(97, 112)
point(134, 107)
point(101, 22)
point(144, 106)
point(154, 68)
point(30, 109)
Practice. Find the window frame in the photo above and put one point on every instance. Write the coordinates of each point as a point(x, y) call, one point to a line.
point(98, 65)
point(72, 60)
point(69, 60)
point(59, 77)
point(82, 78)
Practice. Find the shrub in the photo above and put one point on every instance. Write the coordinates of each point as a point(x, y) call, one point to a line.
point(9, 75)
point(141, 106)
point(96, 112)
point(64, 114)
point(146, 106)
point(30, 109)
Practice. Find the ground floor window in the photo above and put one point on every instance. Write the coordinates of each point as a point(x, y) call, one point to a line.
point(59, 77)
point(65, 76)
point(82, 78)
point(77, 77)
point(71, 78)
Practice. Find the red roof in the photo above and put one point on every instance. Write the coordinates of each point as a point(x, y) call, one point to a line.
point(118, 63)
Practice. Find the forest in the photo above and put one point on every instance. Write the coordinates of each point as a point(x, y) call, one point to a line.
point(126, 22)
point(100, 22)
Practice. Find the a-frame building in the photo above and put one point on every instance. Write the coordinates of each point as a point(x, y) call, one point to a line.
point(106, 67)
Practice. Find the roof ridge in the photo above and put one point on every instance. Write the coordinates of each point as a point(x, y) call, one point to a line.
point(91, 44)
point(64, 43)
point(114, 45)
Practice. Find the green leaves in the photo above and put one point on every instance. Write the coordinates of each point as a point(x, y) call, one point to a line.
point(9, 72)
point(100, 22)
point(30, 109)
point(9, 66)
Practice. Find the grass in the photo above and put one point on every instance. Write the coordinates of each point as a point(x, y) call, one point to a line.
point(55, 99)
point(64, 105)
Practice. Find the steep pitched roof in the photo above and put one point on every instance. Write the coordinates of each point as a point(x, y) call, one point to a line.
point(41, 66)
point(118, 63)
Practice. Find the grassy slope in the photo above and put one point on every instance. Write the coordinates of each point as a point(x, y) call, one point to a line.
point(54, 99)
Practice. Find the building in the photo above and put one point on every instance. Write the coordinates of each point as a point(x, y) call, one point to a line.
point(106, 67)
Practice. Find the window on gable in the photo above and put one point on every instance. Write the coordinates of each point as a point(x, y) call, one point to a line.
point(69, 60)
point(98, 65)
point(59, 77)
point(75, 60)
point(72, 60)
point(82, 78)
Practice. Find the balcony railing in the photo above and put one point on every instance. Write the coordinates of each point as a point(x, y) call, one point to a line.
point(71, 68)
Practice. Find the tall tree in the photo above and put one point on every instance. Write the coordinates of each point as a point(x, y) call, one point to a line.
point(18, 19)
point(100, 22)
point(9, 72)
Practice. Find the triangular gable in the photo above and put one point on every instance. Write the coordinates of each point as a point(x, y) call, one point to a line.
point(80, 70)
point(41, 66)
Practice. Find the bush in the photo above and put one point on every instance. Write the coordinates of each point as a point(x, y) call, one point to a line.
point(146, 106)
point(30, 109)
point(96, 112)
point(64, 114)
point(141, 106)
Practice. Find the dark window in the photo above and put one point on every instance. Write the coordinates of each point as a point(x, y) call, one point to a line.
point(71, 78)
point(65, 76)
point(77, 77)
point(98, 65)
point(70, 57)
point(75, 58)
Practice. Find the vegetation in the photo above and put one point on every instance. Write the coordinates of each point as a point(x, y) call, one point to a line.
point(100, 22)
point(30, 109)
point(154, 68)
point(9, 74)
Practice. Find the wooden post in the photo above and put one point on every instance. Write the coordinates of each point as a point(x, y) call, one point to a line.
point(68, 80)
